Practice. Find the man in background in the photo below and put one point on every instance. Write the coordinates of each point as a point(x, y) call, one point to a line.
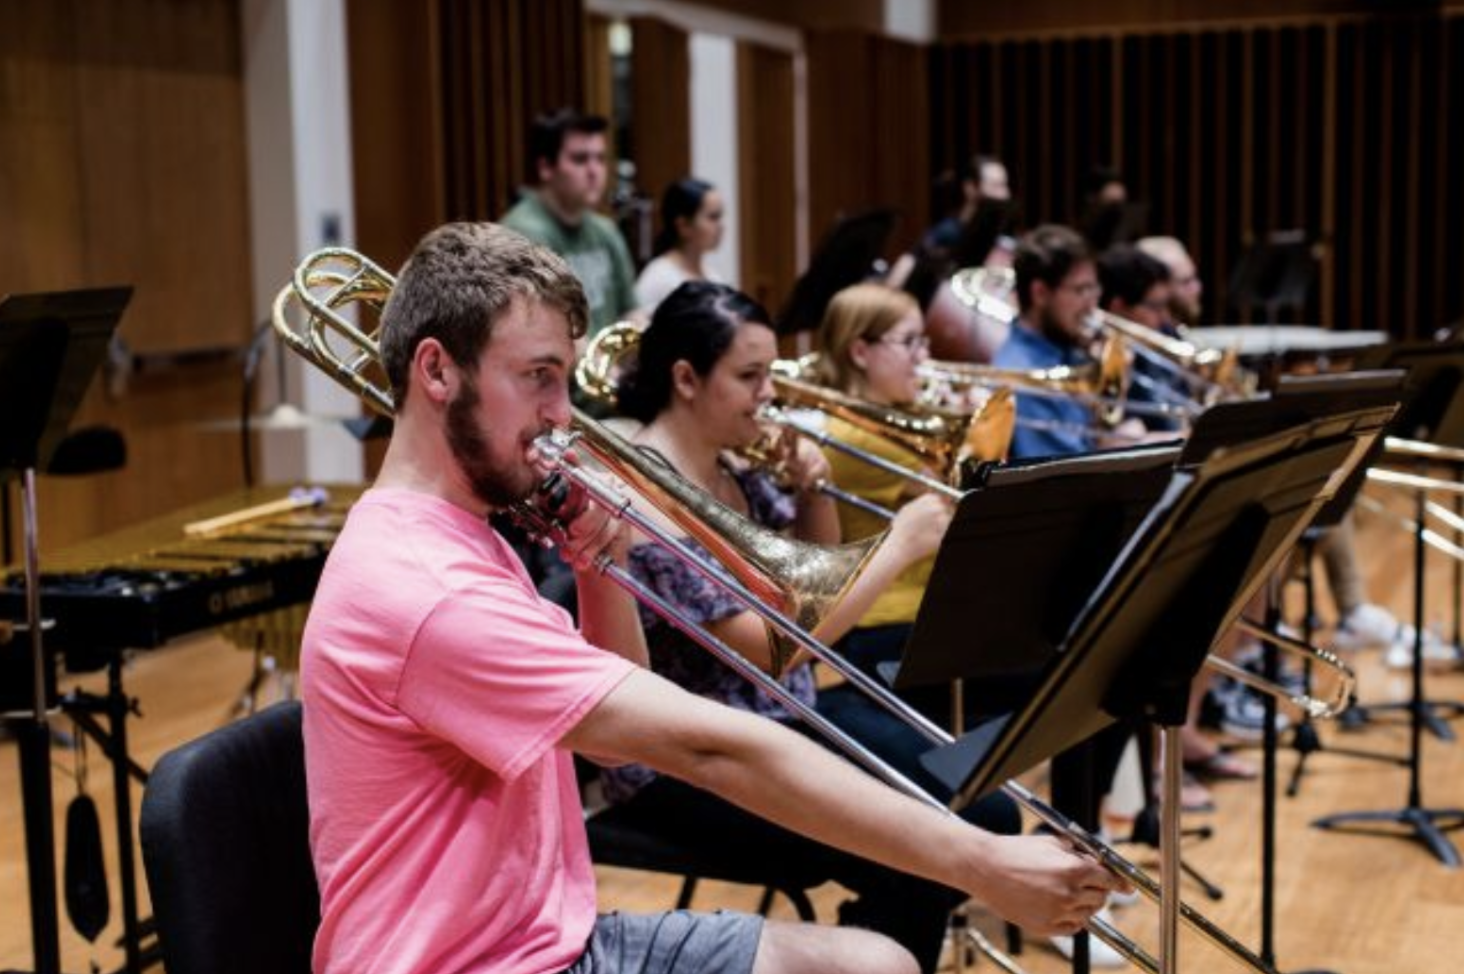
point(567, 155)
point(1185, 288)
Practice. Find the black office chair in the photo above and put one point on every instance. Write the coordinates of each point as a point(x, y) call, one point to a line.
point(225, 841)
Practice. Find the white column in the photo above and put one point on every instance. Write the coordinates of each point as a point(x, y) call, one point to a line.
point(714, 138)
point(910, 20)
point(297, 112)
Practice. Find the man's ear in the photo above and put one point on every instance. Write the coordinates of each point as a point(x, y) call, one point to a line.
point(1041, 293)
point(434, 371)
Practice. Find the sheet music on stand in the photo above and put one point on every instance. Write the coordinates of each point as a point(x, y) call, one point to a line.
point(1008, 559)
point(1434, 410)
point(1184, 576)
point(1004, 563)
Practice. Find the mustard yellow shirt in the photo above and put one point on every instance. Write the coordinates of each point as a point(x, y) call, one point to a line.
point(901, 600)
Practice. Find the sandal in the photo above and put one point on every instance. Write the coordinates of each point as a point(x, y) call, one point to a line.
point(1222, 765)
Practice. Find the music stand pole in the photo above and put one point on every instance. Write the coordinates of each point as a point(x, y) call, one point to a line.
point(1421, 821)
point(35, 760)
point(1172, 751)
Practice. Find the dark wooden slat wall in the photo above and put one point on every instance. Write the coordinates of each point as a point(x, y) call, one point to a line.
point(122, 161)
point(868, 135)
point(765, 163)
point(1345, 127)
point(466, 79)
point(396, 131)
point(660, 104)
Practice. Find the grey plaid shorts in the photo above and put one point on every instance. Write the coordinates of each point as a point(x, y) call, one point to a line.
point(678, 942)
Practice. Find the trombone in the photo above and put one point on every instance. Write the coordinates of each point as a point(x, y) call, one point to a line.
point(751, 561)
point(1102, 383)
point(943, 438)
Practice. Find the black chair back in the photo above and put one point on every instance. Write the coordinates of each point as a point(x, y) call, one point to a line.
point(225, 841)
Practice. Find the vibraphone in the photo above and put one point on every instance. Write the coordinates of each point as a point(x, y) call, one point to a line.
point(246, 563)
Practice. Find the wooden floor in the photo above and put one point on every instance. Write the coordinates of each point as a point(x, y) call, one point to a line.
point(1352, 904)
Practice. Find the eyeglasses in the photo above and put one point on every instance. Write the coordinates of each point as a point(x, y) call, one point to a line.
point(1083, 289)
point(911, 343)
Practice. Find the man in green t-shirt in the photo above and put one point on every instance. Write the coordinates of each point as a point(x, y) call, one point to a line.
point(567, 153)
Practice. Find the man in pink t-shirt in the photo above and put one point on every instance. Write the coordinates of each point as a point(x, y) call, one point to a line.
point(444, 697)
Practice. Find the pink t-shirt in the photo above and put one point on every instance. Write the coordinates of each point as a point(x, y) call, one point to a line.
point(445, 823)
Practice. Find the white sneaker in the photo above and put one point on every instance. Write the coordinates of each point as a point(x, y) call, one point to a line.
point(1099, 953)
point(1365, 626)
point(1400, 654)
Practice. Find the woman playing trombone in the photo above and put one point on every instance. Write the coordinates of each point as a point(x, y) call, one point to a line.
point(870, 344)
point(700, 381)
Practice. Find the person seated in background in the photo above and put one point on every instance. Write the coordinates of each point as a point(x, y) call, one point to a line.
point(691, 228)
point(1057, 292)
point(983, 177)
point(1105, 208)
point(697, 385)
point(1186, 290)
point(1136, 287)
point(870, 344)
point(1360, 623)
point(567, 156)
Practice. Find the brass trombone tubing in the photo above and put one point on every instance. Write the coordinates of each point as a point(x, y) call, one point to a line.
point(1421, 449)
point(553, 447)
point(596, 444)
point(783, 417)
point(1199, 368)
point(1314, 708)
point(1398, 478)
point(1430, 537)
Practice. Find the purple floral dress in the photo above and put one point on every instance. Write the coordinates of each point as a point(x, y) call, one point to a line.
point(676, 657)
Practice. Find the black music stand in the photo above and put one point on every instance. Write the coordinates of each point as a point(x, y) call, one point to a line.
point(1143, 635)
point(1275, 273)
point(51, 346)
point(1434, 413)
point(1296, 400)
point(1023, 520)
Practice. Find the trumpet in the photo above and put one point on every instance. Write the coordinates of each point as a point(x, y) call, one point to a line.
point(787, 583)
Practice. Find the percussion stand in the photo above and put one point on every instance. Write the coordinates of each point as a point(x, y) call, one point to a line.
point(1427, 825)
point(51, 346)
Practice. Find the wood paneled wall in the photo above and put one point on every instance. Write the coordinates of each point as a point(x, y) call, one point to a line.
point(869, 132)
point(1347, 128)
point(961, 19)
point(765, 163)
point(122, 162)
point(660, 86)
point(443, 93)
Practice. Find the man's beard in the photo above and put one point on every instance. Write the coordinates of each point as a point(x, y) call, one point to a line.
point(493, 479)
point(1054, 332)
